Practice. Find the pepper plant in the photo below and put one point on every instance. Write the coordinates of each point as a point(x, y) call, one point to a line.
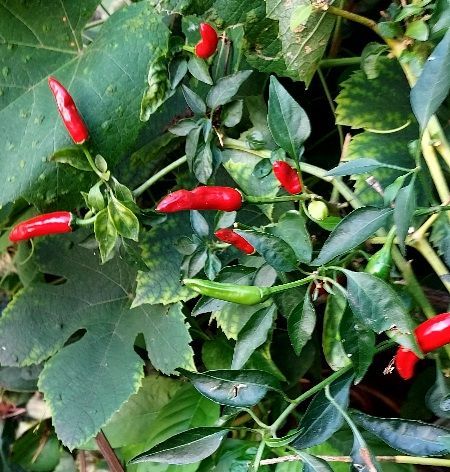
point(224, 235)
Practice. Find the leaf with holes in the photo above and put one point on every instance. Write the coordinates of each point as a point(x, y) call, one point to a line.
point(111, 370)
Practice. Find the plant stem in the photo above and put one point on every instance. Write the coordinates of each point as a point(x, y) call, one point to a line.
point(259, 454)
point(255, 418)
point(334, 376)
point(91, 161)
point(352, 17)
point(108, 453)
point(424, 247)
point(340, 62)
point(154, 178)
point(433, 461)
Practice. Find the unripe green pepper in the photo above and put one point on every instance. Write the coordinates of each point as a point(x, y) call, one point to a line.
point(242, 294)
point(380, 263)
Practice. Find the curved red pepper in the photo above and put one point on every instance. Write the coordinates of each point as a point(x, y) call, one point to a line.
point(207, 46)
point(42, 225)
point(202, 198)
point(431, 334)
point(227, 235)
point(68, 111)
point(287, 176)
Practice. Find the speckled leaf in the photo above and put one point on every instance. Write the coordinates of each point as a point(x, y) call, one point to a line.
point(95, 298)
point(383, 113)
point(304, 47)
point(161, 283)
point(105, 79)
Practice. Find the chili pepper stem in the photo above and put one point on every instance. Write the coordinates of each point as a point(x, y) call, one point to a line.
point(284, 198)
point(289, 285)
point(91, 161)
point(86, 222)
point(188, 48)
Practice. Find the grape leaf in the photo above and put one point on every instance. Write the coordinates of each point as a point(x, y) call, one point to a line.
point(95, 299)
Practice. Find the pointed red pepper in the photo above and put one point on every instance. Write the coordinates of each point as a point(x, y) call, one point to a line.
point(42, 225)
point(202, 198)
point(68, 111)
point(287, 176)
point(227, 235)
point(207, 46)
point(431, 334)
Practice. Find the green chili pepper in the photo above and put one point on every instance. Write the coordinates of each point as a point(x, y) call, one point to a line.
point(380, 264)
point(243, 294)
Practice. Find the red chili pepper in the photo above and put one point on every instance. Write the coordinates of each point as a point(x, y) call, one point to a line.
point(42, 225)
point(207, 46)
point(431, 334)
point(202, 198)
point(287, 176)
point(227, 235)
point(68, 111)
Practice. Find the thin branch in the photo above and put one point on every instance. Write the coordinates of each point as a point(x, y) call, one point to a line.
point(108, 453)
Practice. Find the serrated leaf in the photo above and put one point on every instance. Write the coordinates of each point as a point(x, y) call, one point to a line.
point(226, 88)
point(275, 251)
point(253, 334)
point(233, 387)
point(352, 231)
point(378, 307)
point(111, 369)
point(291, 228)
point(303, 48)
point(28, 112)
point(405, 206)
point(301, 324)
point(184, 448)
point(287, 120)
point(321, 419)
point(407, 436)
point(383, 113)
point(433, 84)
point(161, 283)
point(73, 156)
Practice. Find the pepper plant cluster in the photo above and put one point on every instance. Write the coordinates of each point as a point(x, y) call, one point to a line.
point(200, 276)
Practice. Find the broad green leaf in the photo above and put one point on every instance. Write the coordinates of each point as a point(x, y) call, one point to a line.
point(313, 464)
point(378, 307)
point(332, 345)
point(199, 69)
point(391, 148)
point(321, 419)
point(136, 418)
point(440, 237)
point(291, 227)
point(233, 387)
point(303, 48)
point(275, 251)
point(73, 156)
point(391, 191)
point(202, 164)
point(187, 447)
point(438, 397)
point(124, 220)
point(186, 409)
point(358, 343)
point(300, 15)
point(287, 120)
point(383, 113)
point(95, 197)
point(20, 379)
point(364, 165)
point(183, 127)
point(194, 101)
point(161, 283)
point(105, 234)
point(440, 19)
point(405, 206)
point(232, 113)
point(253, 334)
point(199, 224)
point(407, 436)
point(433, 84)
point(352, 231)
point(301, 324)
point(418, 29)
point(226, 88)
point(28, 112)
point(111, 370)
